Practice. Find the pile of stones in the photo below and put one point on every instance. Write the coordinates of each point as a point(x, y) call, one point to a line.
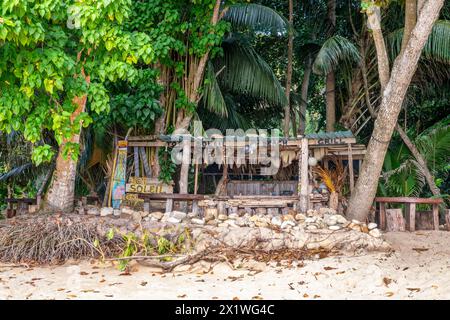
point(312, 221)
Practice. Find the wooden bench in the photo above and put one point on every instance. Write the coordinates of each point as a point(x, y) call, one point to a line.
point(170, 197)
point(410, 207)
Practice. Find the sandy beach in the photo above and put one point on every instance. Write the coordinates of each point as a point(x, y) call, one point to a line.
point(418, 269)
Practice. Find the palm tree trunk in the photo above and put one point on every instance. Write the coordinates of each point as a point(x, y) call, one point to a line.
point(331, 79)
point(287, 108)
point(394, 94)
point(330, 101)
point(304, 96)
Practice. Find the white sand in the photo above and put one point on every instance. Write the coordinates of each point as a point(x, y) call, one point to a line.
point(405, 274)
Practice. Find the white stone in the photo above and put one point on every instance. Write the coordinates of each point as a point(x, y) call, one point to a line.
point(324, 210)
point(222, 217)
point(136, 216)
point(93, 211)
point(341, 219)
point(173, 220)
point(127, 210)
point(334, 228)
point(311, 227)
point(376, 233)
point(117, 212)
point(288, 223)
point(241, 222)
point(106, 211)
point(198, 221)
point(300, 217)
point(310, 220)
point(354, 221)
point(233, 216)
point(231, 223)
point(276, 221)
point(372, 226)
point(178, 215)
point(311, 213)
point(157, 215)
point(331, 220)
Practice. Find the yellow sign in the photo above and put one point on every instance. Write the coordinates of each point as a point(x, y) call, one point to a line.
point(145, 185)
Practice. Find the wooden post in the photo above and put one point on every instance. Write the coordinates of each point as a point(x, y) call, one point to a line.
point(303, 176)
point(350, 168)
point(436, 216)
point(136, 161)
point(447, 219)
point(395, 220)
point(196, 179)
point(169, 205)
point(383, 216)
point(411, 216)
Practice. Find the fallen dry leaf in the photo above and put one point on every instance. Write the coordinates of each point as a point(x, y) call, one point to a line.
point(389, 294)
point(82, 273)
point(413, 289)
point(182, 296)
point(329, 268)
point(143, 283)
point(387, 281)
point(236, 298)
point(305, 295)
point(421, 249)
point(257, 298)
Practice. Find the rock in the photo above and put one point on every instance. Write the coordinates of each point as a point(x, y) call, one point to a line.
point(288, 217)
point(334, 228)
point(223, 224)
point(241, 222)
point(311, 213)
point(106, 211)
point(198, 221)
point(354, 226)
point(233, 216)
point(78, 210)
point(211, 222)
point(372, 226)
point(354, 221)
point(331, 220)
point(191, 215)
point(261, 224)
point(157, 215)
point(126, 210)
point(231, 223)
point(222, 217)
point(287, 223)
point(136, 216)
point(173, 220)
point(253, 218)
point(94, 211)
point(117, 212)
point(300, 217)
point(210, 214)
point(312, 227)
point(341, 219)
point(180, 215)
point(276, 221)
point(324, 211)
point(376, 233)
point(310, 220)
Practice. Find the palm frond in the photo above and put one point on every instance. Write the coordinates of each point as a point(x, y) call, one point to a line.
point(212, 97)
point(335, 51)
point(437, 47)
point(15, 172)
point(256, 17)
point(434, 145)
point(246, 72)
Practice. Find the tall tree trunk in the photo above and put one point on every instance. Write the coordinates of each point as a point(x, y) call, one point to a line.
point(394, 94)
point(330, 86)
point(330, 101)
point(60, 196)
point(192, 85)
point(287, 108)
point(410, 21)
point(304, 95)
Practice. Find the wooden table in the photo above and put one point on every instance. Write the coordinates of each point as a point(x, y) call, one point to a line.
point(410, 207)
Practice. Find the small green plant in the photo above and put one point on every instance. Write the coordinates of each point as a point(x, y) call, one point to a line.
point(148, 244)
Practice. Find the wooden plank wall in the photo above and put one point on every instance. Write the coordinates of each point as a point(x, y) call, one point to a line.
point(238, 187)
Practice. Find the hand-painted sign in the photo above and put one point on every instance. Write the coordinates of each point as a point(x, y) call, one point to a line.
point(146, 185)
point(119, 175)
